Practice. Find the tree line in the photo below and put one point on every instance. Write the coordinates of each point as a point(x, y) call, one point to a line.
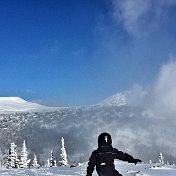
point(22, 161)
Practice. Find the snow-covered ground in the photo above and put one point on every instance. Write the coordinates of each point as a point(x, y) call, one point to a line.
point(125, 168)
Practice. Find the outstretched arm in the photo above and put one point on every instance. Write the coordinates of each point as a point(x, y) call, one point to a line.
point(91, 163)
point(126, 157)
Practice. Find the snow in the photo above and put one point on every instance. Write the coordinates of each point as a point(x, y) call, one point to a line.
point(63, 154)
point(17, 104)
point(125, 168)
point(119, 99)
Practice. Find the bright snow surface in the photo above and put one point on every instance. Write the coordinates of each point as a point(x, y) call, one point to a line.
point(17, 104)
point(119, 99)
point(124, 168)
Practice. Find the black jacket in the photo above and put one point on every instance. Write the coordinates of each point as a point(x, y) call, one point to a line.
point(103, 158)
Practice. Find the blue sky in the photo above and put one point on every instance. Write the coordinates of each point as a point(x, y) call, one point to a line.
point(78, 52)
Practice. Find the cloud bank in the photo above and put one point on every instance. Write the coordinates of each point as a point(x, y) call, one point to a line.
point(164, 91)
point(160, 96)
point(151, 126)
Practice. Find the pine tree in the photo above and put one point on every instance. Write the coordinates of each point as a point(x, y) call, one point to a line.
point(161, 158)
point(52, 163)
point(63, 154)
point(12, 159)
point(35, 162)
point(48, 162)
point(55, 163)
point(9, 159)
point(24, 157)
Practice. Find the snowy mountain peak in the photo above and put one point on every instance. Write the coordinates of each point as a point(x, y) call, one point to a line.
point(119, 99)
point(17, 104)
point(12, 99)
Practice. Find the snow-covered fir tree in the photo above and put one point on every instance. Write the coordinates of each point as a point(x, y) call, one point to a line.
point(12, 159)
point(35, 162)
point(24, 161)
point(47, 163)
point(161, 158)
point(55, 163)
point(52, 160)
point(63, 155)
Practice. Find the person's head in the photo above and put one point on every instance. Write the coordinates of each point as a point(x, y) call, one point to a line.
point(104, 139)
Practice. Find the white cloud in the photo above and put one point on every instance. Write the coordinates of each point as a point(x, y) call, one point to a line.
point(164, 91)
point(140, 16)
point(159, 98)
point(129, 13)
point(137, 96)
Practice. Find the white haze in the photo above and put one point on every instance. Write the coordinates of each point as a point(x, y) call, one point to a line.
point(160, 96)
point(151, 131)
point(158, 102)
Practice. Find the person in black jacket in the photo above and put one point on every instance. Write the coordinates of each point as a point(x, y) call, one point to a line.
point(103, 157)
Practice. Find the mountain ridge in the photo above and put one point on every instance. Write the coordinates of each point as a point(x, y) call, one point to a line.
point(118, 99)
point(17, 104)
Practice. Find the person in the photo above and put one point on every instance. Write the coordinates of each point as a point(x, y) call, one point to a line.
point(103, 157)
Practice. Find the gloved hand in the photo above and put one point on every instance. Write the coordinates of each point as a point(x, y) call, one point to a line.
point(137, 161)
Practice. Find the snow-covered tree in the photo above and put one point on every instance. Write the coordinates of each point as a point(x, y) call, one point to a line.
point(12, 159)
point(52, 161)
point(63, 154)
point(48, 163)
point(35, 162)
point(173, 163)
point(161, 158)
point(55, 163)
point(24, 161)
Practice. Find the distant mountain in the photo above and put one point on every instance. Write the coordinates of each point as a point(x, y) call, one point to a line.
point(119, 99)
point(17, 104)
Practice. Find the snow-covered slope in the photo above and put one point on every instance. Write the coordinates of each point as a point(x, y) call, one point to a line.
point(119, 99)
point(17, 104)
point(123, 167)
